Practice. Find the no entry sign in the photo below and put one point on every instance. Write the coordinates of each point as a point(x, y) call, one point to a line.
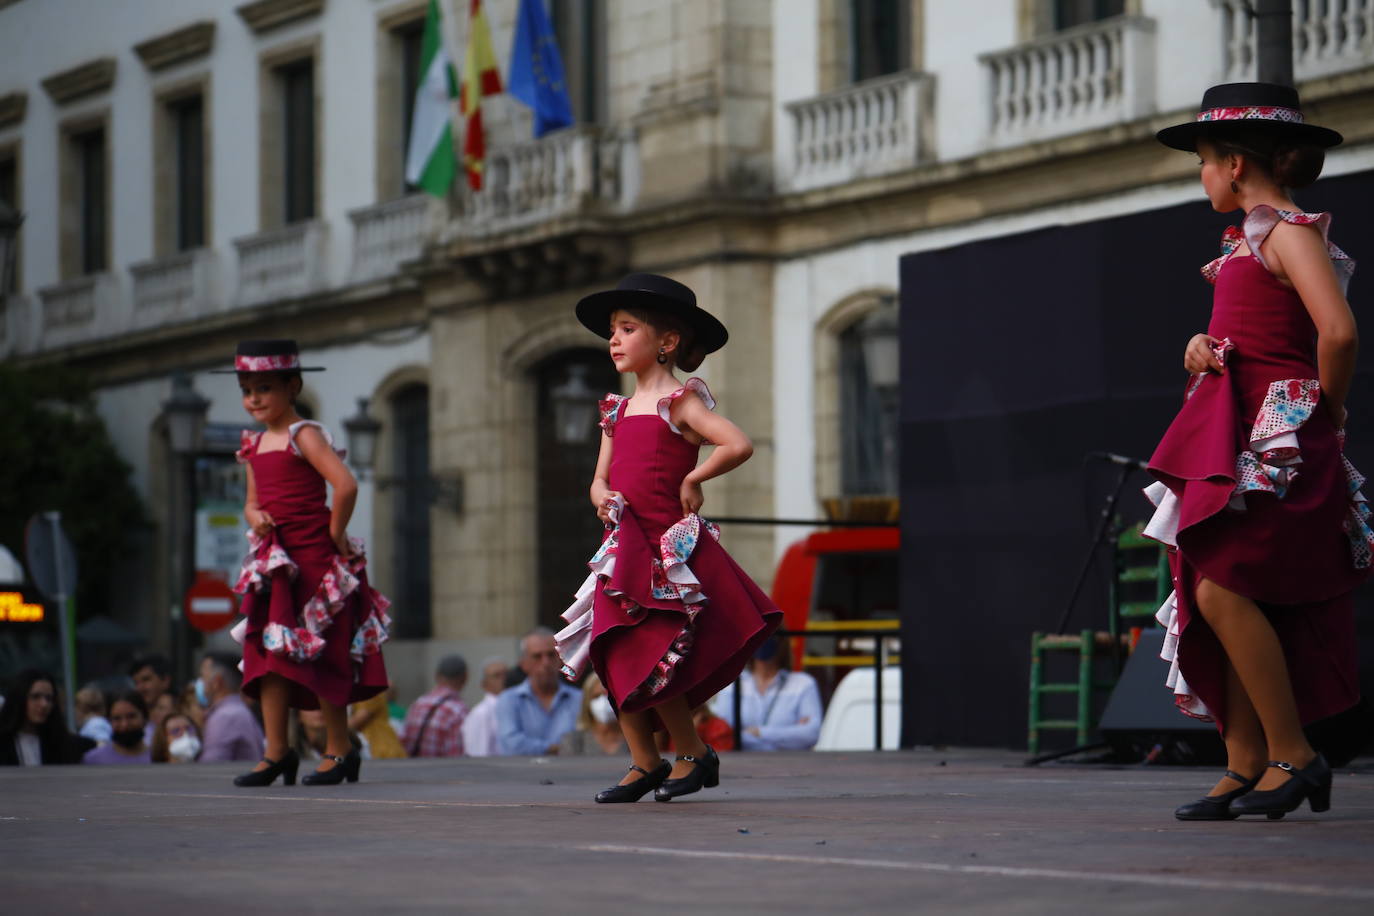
point(210, 604)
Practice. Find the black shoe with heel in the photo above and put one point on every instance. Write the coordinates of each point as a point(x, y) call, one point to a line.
point(1311, 784)
point(634, 791)
point(706, 775)
point(345, 768)
point(1216, 807)
point(285, 768)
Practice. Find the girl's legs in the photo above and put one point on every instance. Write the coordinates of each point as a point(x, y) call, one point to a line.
point(639, 735)
point(1257, 658)
point(1245, 749)
point(336, 733)
point(274, 695)
point(677, 716)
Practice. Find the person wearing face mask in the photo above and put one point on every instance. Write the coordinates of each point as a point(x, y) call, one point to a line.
point(598, 731)
point(176, 740)
point(128, 718)
point(481, 737)
point(231, 732)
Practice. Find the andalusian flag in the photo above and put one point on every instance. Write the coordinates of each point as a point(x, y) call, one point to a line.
point(480, 78)
point(429, 160)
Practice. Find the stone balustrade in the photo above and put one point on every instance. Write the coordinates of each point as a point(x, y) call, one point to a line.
point(1329, 36)
point(388, 234)
point(281, 263)
point(175, 288)
point(81, 309)
point(872, 128)
point(1079, 79)
point(582, 169)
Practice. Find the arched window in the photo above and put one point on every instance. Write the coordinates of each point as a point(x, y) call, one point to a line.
point(868, 404)
point(568, 529)
point(410, 512)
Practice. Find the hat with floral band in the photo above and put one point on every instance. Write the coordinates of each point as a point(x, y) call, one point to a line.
point(1267, 106)
point(268, 356)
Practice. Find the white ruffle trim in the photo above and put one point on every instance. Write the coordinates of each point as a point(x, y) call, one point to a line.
point(1184, 697)
point(1163, 525)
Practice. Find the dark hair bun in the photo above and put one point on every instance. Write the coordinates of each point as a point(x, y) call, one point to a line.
point(1297, 166)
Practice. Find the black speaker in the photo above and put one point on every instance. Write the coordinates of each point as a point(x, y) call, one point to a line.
point(1141, 719)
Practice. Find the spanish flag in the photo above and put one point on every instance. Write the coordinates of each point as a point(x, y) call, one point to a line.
point(480, 78)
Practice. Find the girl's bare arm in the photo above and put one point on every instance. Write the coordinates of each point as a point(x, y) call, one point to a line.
point(324, 459)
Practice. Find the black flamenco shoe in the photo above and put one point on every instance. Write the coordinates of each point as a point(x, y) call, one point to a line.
point(285, 768)
point(1216, 807)
point(345, 767)
point(1311, 784)
point(634, 791)
point(706, 775)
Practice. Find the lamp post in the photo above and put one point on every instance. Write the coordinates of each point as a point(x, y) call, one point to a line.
point(362, 429)
point(882, 363)
point(185, 412)
point(574, 408)
point(10, 221)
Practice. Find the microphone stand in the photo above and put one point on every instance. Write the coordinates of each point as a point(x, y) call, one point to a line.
point(1104, 521)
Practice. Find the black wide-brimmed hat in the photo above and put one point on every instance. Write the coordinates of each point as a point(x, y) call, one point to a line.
point(658, 294)
point(268, 356)
point(1268, 106)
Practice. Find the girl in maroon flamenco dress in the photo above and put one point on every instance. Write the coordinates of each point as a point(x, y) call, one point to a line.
point(1262, 512)
point(666, 617)
point(313, 627)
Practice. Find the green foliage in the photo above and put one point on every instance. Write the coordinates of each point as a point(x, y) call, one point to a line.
point(58, 455)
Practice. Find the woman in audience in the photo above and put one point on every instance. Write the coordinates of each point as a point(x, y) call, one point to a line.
point(176, 739)
point(33, 730)
point(129, 719)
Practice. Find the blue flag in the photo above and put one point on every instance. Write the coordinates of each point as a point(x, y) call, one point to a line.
point(536, 70)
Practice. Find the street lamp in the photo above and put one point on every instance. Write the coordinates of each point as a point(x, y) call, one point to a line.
point(574, 408)
point(362, 429)
point(882, 362)
point(10, 221)
point(185, 412)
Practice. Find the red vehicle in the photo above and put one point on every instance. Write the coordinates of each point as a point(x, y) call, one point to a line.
point(838, 575)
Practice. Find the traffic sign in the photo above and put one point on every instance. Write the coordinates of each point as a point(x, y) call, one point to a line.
point(210, 604)
point(52, 561)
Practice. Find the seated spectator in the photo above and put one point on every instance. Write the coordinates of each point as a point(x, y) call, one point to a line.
point(152, 677)
point(598, 731)
point(307, 735)
point(710, 727)
point(231, 731)
point(33, 730)
point(128, 719)
point(369, 720)
point(176, 740)
point(780, 710)
point(162, 707)
point(90, 714)
point(434, 725)
point(534, 716)
point(479, 728)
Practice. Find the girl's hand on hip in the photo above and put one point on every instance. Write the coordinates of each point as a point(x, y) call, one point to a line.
point(1200, 357)
point(603, 511)
point(691, 497)
point(1339, 415)
point(341, 544)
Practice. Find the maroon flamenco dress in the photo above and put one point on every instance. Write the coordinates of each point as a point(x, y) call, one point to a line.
point(309, 614)
point(665, 611)
point(1254, 491)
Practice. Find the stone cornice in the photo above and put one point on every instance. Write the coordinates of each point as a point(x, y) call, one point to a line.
point(265, 15)
point(13, 106)
point(86, 79)
point(186, 43)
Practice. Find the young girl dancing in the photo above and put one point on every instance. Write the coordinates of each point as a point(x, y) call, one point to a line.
point(313, 627)
point(1262, 512)
point(666, 617)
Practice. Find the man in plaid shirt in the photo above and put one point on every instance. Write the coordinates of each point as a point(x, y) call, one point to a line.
point(434, 724)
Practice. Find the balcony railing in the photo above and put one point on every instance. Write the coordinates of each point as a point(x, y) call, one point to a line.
point(580, 170)
point(178, 287)
point(388, 234)
point(1329, 36)
point(872, 128)
point(81, 309)
point(1075, 80)
point(281, 264)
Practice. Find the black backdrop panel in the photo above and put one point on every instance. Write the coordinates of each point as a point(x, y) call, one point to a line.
point(1020, 355)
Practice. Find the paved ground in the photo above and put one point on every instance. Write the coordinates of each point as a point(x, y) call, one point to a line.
point(928, 831)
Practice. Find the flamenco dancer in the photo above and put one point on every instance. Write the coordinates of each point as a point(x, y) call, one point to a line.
point(313, 627)
point(666, 617)
point(1255, 498)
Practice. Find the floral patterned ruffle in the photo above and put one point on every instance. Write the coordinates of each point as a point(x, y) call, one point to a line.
point(305, 641)
point(1259, 222)
point(248, 441)
point(609, 409)
point(673, 579)
point(694, 384)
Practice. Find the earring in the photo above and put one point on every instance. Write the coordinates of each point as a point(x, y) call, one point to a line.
point(662, 356)
point(1235, 188)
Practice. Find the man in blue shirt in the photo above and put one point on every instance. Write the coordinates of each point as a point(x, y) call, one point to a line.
point(780, 710)
point(533, 716)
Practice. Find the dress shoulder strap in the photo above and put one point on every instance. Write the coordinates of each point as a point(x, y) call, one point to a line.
point(1262, 219)
point(1231, 237)
point(248, 445)
point(611, 408)
point(328, 437)
point(692, 385)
